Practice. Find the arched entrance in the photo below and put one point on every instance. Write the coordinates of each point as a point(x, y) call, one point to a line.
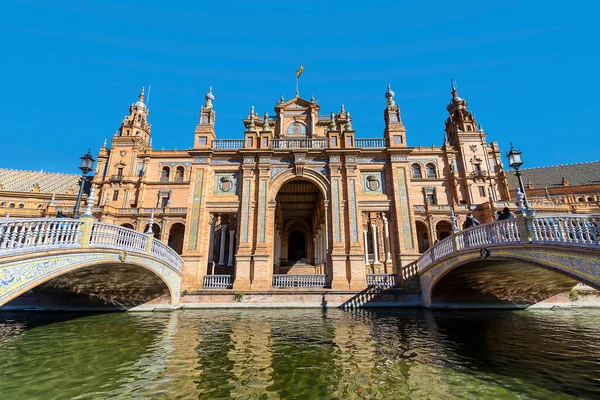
point(297, 247)
point(300, 245)
point(155, 230)
point(176, 237)
point(443, 229)
point(422, 236)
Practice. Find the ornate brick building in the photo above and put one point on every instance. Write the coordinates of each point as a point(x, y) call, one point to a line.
point(299, 194)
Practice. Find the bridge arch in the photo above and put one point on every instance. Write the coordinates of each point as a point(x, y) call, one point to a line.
point(513, 268)
point(20, 276)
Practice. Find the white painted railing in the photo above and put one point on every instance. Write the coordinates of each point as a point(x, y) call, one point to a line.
point(570, 229)
point(30, 234)
point(381, 280)
point(164, 252)
point(218, 281)
point(303, 143)
point(227, 144)
point(576, 229)
point(117, 237)
point(304, 281)
point(369, 143)
point(20, 235)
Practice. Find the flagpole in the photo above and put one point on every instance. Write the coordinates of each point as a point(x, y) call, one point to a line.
point(296, 85)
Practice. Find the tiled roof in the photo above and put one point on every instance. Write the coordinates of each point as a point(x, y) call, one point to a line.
point(582, 174)
point(12, 180)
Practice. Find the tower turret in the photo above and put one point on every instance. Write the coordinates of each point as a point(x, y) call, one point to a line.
point(395, 132)
point(460, 120)
point(205, 130)
point(136, 123)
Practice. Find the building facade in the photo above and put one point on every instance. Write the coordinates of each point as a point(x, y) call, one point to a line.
point(297, 195)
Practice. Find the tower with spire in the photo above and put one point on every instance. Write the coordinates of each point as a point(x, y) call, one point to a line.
point(135, 125)
point(205, 130)
point(460, 121)
point(395, 132)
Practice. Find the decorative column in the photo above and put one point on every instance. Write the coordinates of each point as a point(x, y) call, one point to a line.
point(222, 245)
point(323, 246)
point(211, 238)
point(386, 231)
point(231, 246)
point(316, 249)
point(375, 244)
point(365, 237)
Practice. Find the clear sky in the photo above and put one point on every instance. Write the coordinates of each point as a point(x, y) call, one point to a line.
point(528, 69)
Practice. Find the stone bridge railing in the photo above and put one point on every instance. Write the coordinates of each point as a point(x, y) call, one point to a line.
point(39, 234)
point(565, 230)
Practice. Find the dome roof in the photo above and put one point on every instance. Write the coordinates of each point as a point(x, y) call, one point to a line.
point(209, 96)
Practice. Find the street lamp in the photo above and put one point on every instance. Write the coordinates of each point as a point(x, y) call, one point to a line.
point(87, 161)
point(515, 161)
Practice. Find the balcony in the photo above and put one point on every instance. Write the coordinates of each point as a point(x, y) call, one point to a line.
point(218, 282)
point(314, 281)
point(370, 143)
point(300, 143)
point(227, 144)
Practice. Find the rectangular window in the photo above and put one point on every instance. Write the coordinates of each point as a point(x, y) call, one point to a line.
point(120, 172)
point(164, 202)
point(477, 169)
point(115, 195)
point(249, 142)
point(430, 197)
point(334, 141)
point(481, 191)
point(140, 168)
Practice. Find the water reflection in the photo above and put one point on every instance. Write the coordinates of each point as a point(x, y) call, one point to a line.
point(303, 354)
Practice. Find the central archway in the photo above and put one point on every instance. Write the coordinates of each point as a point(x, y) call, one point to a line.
point(300, 245)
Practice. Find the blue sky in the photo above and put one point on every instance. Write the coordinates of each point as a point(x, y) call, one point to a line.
point(70, 70)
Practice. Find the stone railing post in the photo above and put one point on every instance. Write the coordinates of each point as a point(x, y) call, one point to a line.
point(525, 226)
point(149, 243)
point(85, 230)
point(455, 244)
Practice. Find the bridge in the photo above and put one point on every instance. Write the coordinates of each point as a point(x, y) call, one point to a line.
point(108, 263)
point(519, 261)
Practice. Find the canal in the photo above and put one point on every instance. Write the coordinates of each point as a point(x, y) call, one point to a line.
point(302, 354)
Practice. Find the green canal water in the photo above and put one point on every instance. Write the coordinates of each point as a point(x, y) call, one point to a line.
point(302, 354)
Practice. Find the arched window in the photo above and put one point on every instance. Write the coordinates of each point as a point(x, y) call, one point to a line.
point(430, 168)
point(416, 171)
point(164, 174)
point(179, 174)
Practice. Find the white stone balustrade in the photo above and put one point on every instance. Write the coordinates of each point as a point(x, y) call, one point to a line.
point(381, 280)
point(304, 281)
point(227, 144)
point(218, 282)
point(30, 234)
point(303, 143)
point(569, 229)
point(369, 143)
point(38, 234)
point(117, 237)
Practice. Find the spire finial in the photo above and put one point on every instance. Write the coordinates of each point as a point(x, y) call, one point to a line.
point(389, 95)
point(332, 125)
point(209, 98)
point(312, 98)
point(342, 110)
point(282, 99)
point(348, 126)
point(454, 91)
point(151, 223)
point(141, 96)
point(251, 126)
point(104, 145)
point(266, 125)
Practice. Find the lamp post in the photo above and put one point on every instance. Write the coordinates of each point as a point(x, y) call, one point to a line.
point(515, 161)
point(87, 161)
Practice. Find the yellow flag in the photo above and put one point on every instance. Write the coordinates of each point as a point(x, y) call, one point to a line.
point(299, 72)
